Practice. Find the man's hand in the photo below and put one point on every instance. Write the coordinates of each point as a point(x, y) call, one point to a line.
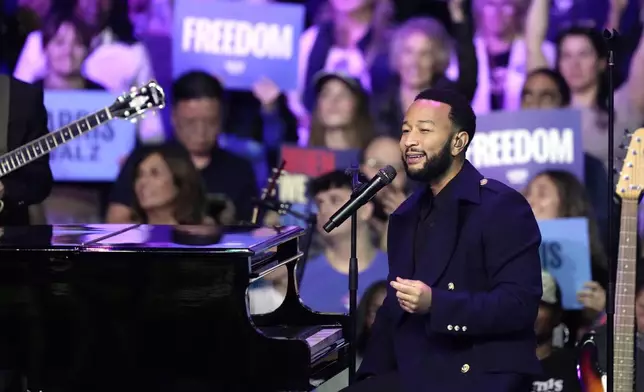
point(414, 296)
point(1, 190)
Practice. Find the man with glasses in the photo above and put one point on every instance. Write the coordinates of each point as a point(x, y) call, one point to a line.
point(197, 113)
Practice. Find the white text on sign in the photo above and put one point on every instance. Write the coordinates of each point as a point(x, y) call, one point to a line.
point(521, 146)
point(237, 38)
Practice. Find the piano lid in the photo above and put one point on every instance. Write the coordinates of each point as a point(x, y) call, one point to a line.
point(104, 237)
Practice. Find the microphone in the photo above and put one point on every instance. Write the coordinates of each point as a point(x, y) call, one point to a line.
point(366, 192)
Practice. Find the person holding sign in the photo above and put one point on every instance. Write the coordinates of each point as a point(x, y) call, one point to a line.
point(23, 118)
point(557, 194)
point(464, 255)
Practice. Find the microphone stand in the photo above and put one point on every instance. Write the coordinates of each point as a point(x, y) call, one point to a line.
point(353, 282)
point(610, 37)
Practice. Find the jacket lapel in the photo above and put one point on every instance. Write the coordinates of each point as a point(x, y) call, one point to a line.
point(400, 237)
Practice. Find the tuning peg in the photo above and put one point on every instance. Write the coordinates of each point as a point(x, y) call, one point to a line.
point(133, 121)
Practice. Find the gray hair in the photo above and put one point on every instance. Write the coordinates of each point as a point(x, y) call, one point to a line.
point(432, 29)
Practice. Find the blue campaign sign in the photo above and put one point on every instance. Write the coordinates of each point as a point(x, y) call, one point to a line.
point(513, 147)
point(95, 156)
point(238, 42)
point(565, 253)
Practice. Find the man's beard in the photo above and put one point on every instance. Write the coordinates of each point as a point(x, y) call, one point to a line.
point(434, 167)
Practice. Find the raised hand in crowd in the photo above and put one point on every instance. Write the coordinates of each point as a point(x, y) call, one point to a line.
point(456, 10)
point(267, 92)
point(593, 297)
point(617, 8)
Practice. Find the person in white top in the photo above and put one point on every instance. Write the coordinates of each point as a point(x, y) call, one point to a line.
point(115, 65)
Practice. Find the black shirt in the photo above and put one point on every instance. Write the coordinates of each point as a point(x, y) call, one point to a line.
point(559, 373)
point(226, 175)
point(430, 207)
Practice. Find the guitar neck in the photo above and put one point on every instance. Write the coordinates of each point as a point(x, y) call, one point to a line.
point(624, 322)
point(37, 148)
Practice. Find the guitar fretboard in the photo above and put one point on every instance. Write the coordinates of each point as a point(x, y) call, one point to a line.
point(35, 149)
point(624, 346)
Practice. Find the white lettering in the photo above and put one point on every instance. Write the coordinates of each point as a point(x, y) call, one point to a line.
point(237, 38)
point(292, 188)
point(520, 146)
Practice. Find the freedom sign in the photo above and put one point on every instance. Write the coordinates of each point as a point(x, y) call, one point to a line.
point(238, 42)
point(96, 155)
point(565, 253)
point(513, 147)
point(302, 164)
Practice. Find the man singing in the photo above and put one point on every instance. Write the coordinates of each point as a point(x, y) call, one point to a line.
point(464, 269)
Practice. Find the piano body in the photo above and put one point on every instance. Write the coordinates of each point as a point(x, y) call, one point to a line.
point(158, 308)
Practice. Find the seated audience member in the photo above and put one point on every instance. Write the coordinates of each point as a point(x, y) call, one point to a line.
point(168, 189)
point(547, 89)
point(380, 152)
point(197, 110)
point(349, 37)
point(66, 42)
point(324, 285)
point(113, 61)
point(559, 364)
point(341, 119)
point(558, 194)
point(371, 301)
point(420, 54)
point(600, 338)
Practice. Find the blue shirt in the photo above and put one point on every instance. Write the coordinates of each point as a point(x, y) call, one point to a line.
point(326, 290)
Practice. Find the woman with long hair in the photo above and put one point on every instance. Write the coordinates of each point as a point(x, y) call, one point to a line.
point(168, 189)
point(341, 118)
point(420, 54)
point(350, 36)
point(554, 194)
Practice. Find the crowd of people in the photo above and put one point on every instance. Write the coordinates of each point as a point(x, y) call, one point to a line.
point(361, 65)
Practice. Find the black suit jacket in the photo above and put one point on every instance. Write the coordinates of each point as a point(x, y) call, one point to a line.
point(30, 184)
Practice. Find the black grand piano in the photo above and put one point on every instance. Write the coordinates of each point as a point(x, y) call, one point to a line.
point(158, 308)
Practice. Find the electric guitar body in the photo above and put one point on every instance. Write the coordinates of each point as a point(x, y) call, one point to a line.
point(592, 377)
point(629, 189)
point(128, 106)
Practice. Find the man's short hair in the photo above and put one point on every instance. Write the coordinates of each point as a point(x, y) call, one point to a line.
point(196, 85)
point(461, 113)
point(336, 179)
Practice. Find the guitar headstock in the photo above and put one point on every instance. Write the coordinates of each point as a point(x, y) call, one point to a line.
point(131, 105)
point(631, 178)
